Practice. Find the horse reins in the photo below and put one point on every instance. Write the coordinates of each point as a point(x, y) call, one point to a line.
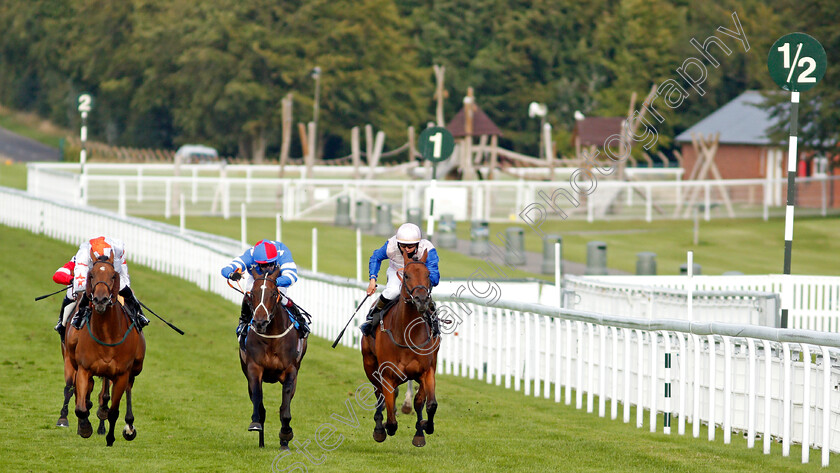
point(110, 302)
point(411, 297)
point(270, 313)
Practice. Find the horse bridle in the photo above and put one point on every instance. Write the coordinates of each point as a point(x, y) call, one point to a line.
point(410, 291)
point(269, 312)
point(107, 284)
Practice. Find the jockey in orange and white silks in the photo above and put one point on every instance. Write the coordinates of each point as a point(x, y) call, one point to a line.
point(409, 238)
point(96, 247)
point(80, 266)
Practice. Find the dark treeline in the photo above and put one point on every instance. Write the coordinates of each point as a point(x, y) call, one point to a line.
point(169, 72)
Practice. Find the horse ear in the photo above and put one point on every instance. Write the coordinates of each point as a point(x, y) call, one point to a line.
point(400, 275)
point(425, 256)
point(253, 273)
point(274, 274)
point(116, 289)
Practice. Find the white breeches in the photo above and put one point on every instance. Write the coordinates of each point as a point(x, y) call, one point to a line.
point(393, 286)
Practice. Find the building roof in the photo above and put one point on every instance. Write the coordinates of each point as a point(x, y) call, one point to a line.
point(740, 122)
point(594, 131)
point(482, 124)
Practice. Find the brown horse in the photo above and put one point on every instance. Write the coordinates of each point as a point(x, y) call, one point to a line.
point(272, 353)
point(109, 347)
point(69, 386)
point(404, 350)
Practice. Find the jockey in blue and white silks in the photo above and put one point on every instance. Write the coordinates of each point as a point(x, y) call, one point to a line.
point(410, 239)
point(264, 258)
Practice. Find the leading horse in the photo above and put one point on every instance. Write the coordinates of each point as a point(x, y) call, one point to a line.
point(109, 347)
point(272, 353)
point(404, 350)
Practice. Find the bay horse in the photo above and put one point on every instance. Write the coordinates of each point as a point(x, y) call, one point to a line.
point(110, 347)
point(404, 350)
point(272, 353)
point(70, 382)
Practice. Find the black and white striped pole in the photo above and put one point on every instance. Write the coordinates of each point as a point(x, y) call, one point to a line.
point(435, 144)
point(85, 106)
point(796, 63)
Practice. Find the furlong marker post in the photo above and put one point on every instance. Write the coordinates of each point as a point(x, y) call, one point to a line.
point(803, 72)
point(85, 106)
point(435, 144)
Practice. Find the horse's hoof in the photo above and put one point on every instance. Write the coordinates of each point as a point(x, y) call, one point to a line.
point(102, 413)
point(284, 445)
point(379, 435)
point(129, 433)
point(109, 441)
point(255, 427)
point(406, 409)
point(391, 428)
point(429, 427)
point(85, 430)
point(62, 422)
point(419, 441)
point(286, 436)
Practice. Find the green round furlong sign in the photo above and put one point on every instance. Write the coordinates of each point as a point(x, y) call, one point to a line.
point(796, 62)
point(435, 143)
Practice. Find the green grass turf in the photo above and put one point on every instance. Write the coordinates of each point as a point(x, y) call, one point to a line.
point(13, 175)
point(192, 410)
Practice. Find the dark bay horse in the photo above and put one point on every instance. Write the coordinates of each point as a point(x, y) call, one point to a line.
point(272, 353)
point(403, 349)
point(108, 346)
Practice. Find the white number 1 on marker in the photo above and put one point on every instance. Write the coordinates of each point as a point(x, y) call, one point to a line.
point(437, 138)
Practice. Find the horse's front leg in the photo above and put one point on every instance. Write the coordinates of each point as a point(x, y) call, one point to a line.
point(120, 385)
point(255, 391)
point(420, 399)
point(379, 430)
point(102, 412)
point(389, 391)
point(83, 379)
point(69, 384)
point(289, 387)
point(129, 432)
point(428, 384)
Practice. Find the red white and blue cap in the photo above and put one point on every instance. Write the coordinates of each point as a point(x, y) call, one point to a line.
point(265, 252)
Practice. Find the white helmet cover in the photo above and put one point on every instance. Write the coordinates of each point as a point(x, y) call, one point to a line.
point(409, 233)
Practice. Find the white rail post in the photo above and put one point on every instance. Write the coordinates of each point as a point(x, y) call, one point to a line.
point(359, 254)
point(243, 227)
point(315, 249)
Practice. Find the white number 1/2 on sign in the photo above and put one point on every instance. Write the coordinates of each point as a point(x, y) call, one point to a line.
point(806, 61)
point(437, 139)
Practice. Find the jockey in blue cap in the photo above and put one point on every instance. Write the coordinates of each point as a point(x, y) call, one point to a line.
point(410, 239)
point(265, 257)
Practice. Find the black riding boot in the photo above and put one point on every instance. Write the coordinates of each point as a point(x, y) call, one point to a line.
point(368, 326)
point(244, 320)
point(59, 327)
point(134, 309)
point(302, 326)
point(433, 319)
point(82, 313)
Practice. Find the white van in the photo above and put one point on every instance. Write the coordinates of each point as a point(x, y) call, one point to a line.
point(196, 154)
